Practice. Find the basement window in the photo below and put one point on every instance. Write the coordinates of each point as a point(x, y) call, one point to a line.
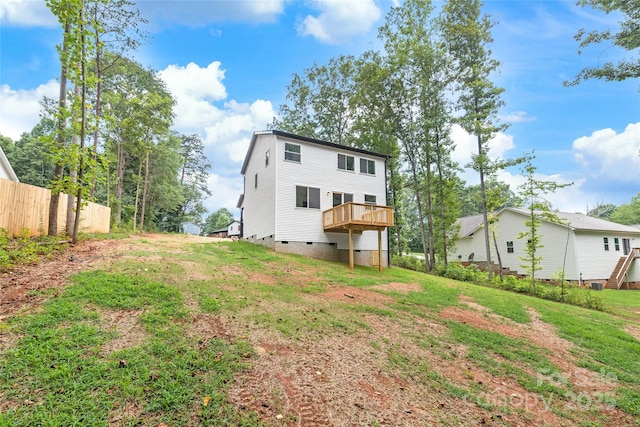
point(510, 247)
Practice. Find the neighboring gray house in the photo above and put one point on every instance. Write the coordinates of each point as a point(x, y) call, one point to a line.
point(590, 249)
point(191, 228)
point(6, 171)
point(315, 198)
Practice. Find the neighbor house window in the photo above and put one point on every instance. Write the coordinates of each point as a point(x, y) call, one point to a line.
point(510, 247)
point(367, 166)
point(346, 163)
point(307, 197)
point(292, 152)
point(606, 243)
point(370, 199)
point(267, 154)
point(255, 181)
point(340, 198)
point(616, 243)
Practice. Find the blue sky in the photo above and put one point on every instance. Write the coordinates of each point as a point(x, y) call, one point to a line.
point(227, 63)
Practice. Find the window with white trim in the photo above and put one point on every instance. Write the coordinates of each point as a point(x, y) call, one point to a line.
point(292, 152)
point(267, 154)
point(616, 243)
point(510, 247)
point(606, 243)
point(307, 197)
point(367, 166)
point(255, 181)
point(346, 163)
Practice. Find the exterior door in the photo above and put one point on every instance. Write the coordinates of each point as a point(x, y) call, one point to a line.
point(626, 246)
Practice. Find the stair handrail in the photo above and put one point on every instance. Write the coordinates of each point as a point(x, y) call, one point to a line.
point(633, 254)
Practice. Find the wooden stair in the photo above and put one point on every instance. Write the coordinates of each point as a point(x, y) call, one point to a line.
point(622, 267)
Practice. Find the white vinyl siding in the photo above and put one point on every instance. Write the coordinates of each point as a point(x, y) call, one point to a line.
point(260, 206)
point(318, 170)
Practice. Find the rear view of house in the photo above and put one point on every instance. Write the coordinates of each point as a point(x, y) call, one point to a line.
point(587, 249)
point(315, 198)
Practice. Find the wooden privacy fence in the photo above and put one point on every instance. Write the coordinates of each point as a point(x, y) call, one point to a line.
point(24, 206)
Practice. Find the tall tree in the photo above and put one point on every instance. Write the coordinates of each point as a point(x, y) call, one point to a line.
point(137, 108)
point(468, 36)
point(627, 38)
point(533, 192)
point(114, 27)
point(320, 101)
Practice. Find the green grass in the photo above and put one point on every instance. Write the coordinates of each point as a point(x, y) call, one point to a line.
point(58, 373)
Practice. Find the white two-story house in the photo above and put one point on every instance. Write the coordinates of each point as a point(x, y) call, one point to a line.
point(315, 198)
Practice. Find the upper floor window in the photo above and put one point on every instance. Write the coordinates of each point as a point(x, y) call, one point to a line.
point(307, 197)
point(292, 152)
point(510, 247)
point(346, 163)
point(367, 166)
point(606, 243)
point(267, 154)
point(255, 181)
point(370, 199)
point(616, 243)
point(340, 198)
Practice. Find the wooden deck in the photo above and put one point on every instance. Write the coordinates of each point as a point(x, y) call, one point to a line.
point(357, 217)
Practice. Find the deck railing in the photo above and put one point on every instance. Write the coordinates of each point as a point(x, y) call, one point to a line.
point(357, 215)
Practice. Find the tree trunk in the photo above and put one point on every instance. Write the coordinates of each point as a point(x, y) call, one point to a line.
point(135, 207)
point(83, 127)
point(62, 104)
point(495, 245)
point(69, 226)
point(120, 168)
point(144, 191)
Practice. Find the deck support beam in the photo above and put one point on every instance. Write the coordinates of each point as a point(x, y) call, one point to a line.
point(380, 250)
point(350, 249)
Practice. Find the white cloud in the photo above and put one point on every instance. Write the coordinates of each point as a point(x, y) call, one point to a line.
point(607, 155)
point(517, 117)
point(26, 13)
point(20, 109)
point(225, 129)
point(194, 81)
point(467, 145)
point(340, 20)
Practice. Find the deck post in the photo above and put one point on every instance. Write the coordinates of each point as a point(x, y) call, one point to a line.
point(379, 250)
point(350, 249)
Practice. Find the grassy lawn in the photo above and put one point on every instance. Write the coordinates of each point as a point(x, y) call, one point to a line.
point(67, 363)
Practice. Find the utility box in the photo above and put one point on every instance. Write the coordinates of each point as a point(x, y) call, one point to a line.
point(596, 286)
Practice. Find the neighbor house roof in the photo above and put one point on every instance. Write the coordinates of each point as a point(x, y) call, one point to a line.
point(577, 221)
point(6, 166)
point(303, 139)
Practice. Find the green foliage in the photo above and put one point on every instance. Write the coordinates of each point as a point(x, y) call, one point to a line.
point(628, 213)
point(25, 249)
point(627, 38)
point(218, 220)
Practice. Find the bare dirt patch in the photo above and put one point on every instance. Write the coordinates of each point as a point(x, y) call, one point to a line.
point(126, 324)
point(352, 295)
point(403, 288)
